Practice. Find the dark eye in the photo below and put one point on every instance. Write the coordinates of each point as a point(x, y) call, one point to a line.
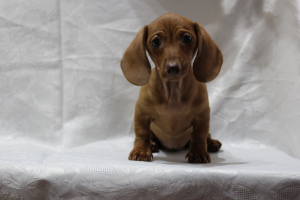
point(156, 42)
point(187, 39)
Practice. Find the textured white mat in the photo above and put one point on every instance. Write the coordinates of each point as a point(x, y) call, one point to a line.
point(66, 110)
point(101, 170)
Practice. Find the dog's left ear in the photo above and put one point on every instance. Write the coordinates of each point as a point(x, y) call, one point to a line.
point(209, 59)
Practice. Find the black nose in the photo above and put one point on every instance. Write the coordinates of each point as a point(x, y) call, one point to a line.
point(173, 70)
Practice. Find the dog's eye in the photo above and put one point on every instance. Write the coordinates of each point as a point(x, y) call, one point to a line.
point(156, 42)
point(187, 39)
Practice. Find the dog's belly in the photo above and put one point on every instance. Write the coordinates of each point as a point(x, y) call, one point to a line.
point(172, 140)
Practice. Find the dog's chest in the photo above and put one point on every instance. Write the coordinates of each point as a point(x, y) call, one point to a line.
point(172, 119)
point(172, 126)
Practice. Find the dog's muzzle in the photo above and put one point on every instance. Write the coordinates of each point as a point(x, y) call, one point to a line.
point(173, 69)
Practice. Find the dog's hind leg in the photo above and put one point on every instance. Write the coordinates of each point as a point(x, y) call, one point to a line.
point(213, 145)
point(154, 144)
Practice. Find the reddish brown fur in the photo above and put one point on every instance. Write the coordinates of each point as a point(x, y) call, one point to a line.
point(172, 108)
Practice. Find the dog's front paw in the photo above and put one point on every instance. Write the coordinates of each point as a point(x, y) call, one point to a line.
point(140, 155)
point(198, 157)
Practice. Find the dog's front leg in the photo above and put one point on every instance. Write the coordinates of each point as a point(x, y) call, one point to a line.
point(141, 150)
point(198, 144)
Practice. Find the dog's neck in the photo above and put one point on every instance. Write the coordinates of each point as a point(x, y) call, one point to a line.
point(175, 92)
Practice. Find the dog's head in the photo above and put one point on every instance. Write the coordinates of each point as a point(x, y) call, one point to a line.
point(172, 41)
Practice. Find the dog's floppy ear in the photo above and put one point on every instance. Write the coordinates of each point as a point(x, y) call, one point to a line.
point(209, 59)
point(135, 64)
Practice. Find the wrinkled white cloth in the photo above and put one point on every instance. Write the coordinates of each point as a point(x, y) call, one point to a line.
point(66, 110)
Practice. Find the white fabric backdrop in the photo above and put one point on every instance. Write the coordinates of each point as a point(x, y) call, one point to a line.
point(66, 110)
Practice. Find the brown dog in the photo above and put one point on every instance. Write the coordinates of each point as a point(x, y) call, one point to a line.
point(173, 105)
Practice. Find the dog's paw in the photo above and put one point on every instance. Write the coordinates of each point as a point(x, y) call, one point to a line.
point(213, 145)
point(198, 157)
point(154, 147)
point(140, 155)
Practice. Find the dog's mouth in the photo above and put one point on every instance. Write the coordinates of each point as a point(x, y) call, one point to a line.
point(173, 78)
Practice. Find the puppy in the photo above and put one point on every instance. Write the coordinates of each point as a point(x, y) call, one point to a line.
point(173, 107)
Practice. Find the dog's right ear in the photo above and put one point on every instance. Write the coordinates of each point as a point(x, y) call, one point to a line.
point(135, 64)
